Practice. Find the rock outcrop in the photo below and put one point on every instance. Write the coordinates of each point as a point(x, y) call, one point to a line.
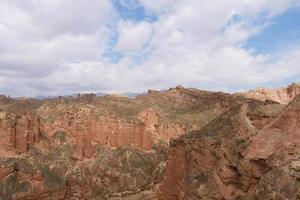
point(18, 132)
point(165, 145)
point(280, 95)
point(234, 157)
point(5, 100)
point(118, 121)
point(88, 130)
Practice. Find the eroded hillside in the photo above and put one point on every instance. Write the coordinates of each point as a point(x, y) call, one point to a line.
point(90, 147)
point(235, 157)
point(175, 144)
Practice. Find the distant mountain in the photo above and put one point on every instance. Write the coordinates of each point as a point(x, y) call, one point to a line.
point(98, 94)
point(125, 94)
point(101, 94)
point(180, 143)
point(132, 94)
point(46, 97)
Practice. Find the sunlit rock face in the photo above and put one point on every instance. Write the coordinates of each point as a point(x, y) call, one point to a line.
point(175, 144)
point(235, 157)
point(116, 121)
point(18, 132)
point(4, 100)
point(279, 95)
point(89, 147)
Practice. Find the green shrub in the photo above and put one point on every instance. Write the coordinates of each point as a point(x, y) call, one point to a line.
point(60, 136)
point(12, 185)
point(52, 179)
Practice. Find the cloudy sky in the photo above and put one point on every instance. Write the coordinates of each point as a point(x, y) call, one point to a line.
point(52, 47)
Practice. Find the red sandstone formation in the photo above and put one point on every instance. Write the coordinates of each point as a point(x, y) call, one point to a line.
point(280, 95)
point(187, 99)
point(157, 130)
point(282, 135)
point(89, 131)
point(4, 100)
point(111, 147)
point(110, 132)
point(18, 131)
point(231, 158)
point(87, 128)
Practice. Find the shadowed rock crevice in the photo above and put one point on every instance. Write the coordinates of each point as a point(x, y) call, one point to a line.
point(175, 144)
point(238, 153)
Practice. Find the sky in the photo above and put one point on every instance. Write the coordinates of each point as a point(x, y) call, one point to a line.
point(57, 47)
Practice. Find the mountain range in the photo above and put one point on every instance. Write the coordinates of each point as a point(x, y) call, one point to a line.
point(175, 144)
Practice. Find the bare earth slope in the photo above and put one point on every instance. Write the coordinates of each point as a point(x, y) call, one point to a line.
point(177, 144)
point(90, 147)
point(234, 157)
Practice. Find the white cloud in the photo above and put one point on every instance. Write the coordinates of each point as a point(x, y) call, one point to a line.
point(37, 37)
point(56, 47)
point(133, 36)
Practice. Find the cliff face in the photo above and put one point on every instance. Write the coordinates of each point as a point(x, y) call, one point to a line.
point(280, 95)
point(234, 157)
point(117, 121)
point(18, 132)
point(176, 144)
point(4, 100)
point(89, 147)
point(88, 129)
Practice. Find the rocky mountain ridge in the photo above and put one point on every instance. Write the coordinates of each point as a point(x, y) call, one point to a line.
point(174, 144)
point(232, 158)
point(279, 95)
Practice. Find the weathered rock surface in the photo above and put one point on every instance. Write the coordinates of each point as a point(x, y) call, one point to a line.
point(280, 95)
point(234, 157)
point(222, 146)
point(89, 147)
point(18, 132)
point(118, 121)
point(4, 100)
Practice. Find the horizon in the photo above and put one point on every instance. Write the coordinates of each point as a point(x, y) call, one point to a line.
point(56, 48)
point(130, 94)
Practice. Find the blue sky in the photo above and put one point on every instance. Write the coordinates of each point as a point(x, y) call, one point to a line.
point(66, 46)
point(136, 13)
point(133, 11)
point(282, 33)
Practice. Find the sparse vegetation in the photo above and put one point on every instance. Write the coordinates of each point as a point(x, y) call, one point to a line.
point(52, 178)
point(12, 185)
point(60, 136)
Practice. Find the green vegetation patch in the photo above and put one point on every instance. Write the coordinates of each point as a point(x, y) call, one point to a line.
point(100, 192)
point(60, 136)
point(12, 185)
point(52, 178)
point(22, 164)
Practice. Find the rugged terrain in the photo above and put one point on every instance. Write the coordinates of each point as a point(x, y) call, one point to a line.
point(280, 95)
point(175, 144)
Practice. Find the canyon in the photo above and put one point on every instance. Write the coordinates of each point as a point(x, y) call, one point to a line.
point(181, 143)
